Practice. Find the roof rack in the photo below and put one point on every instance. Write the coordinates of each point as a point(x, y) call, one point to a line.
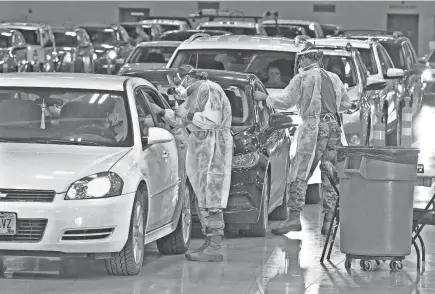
point(197, 36)
point(168, 18)
point(371, 32)
point(348, 46)
point(212, 14)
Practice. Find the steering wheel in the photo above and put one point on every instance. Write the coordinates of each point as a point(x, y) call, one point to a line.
point(97, 130)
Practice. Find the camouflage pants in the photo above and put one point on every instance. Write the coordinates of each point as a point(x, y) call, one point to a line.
point(328, 138)
point(211, 219)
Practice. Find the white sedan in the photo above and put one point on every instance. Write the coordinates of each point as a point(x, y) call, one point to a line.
point(86, 172)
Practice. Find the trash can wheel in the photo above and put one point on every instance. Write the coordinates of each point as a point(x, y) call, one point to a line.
point(366, 265)
point(348, 264)
point(396, 266)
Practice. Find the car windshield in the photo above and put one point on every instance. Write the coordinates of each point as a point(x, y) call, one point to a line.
point(102, 36)
point(329, 31)
point(396, 53)
point(157, 54)
point(32, 37)
point(5, 40)
point(65, 39)
point(233, 30)
point(288, 31)
point(64, 116)
point(310, 29)
point(169, 27)
point(369, 60)
point(131, 30)
point(259, 62)
point(343, 66)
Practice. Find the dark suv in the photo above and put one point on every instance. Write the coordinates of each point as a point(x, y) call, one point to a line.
point(261, 150)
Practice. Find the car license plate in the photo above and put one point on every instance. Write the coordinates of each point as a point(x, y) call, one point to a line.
point(8, 223)
point(420, 168)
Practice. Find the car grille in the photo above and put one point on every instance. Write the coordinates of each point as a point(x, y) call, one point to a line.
point(28, 230)
point(26, 195)
point(87, 234)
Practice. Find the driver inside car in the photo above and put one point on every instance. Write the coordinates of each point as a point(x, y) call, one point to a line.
point(115, 120)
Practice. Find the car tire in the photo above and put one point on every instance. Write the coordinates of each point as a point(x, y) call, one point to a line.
point(313, 195)
point(129, 262)
point(259, 229)
point(179, 240)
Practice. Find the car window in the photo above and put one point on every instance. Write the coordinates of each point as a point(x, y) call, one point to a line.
point(368, 57)
point(397, 54)
point(146, 119)
point(264, 110)
point(6, 41)
point(408, 55)
point(20, 39)
point(157, 54)
point(65, 39)
point(411, 51)
point(343, 66)
point(258, 62)
point(98, 117)
point(362, 68)
point(33, 37)
point(413, 54)
point(288, 31)
point(384, 59)
point(102, 36)
point(153, 98)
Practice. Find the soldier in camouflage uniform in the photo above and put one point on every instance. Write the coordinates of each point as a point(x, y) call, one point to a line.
point(319, 96)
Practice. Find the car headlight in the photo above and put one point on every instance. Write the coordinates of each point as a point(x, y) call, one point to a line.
point(100, 185)
point(112, 54)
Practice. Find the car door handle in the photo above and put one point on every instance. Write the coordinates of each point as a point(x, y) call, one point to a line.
point(165, 154)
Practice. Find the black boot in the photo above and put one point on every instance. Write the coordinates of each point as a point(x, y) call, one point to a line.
point(293, 223)
point(210, 251)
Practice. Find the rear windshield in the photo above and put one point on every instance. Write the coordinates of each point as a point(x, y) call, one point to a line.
point(151, 54)
point(288, 31)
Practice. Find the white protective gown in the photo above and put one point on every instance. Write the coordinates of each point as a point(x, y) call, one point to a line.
point(210, 145)
point(304, 91)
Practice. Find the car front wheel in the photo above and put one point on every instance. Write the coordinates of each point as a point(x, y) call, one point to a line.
point(129, 261)
point(179, 240)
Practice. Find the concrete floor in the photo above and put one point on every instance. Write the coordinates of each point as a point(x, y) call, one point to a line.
point(274, 264)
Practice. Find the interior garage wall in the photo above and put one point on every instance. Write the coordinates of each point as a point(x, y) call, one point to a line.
point(349, 14)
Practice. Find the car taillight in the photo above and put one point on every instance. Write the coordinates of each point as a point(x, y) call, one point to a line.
point(247, 160)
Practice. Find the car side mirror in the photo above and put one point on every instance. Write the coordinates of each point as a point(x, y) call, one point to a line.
point(154, 135)
point(394, 73)
point(374, 86)
point(279, 121)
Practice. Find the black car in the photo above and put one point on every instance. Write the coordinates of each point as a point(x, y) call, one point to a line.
point(112, 46)
point(182, 35)
point(261, 150)
point(75, 50)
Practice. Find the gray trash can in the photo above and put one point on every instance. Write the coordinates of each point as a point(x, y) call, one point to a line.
point(376, 200)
